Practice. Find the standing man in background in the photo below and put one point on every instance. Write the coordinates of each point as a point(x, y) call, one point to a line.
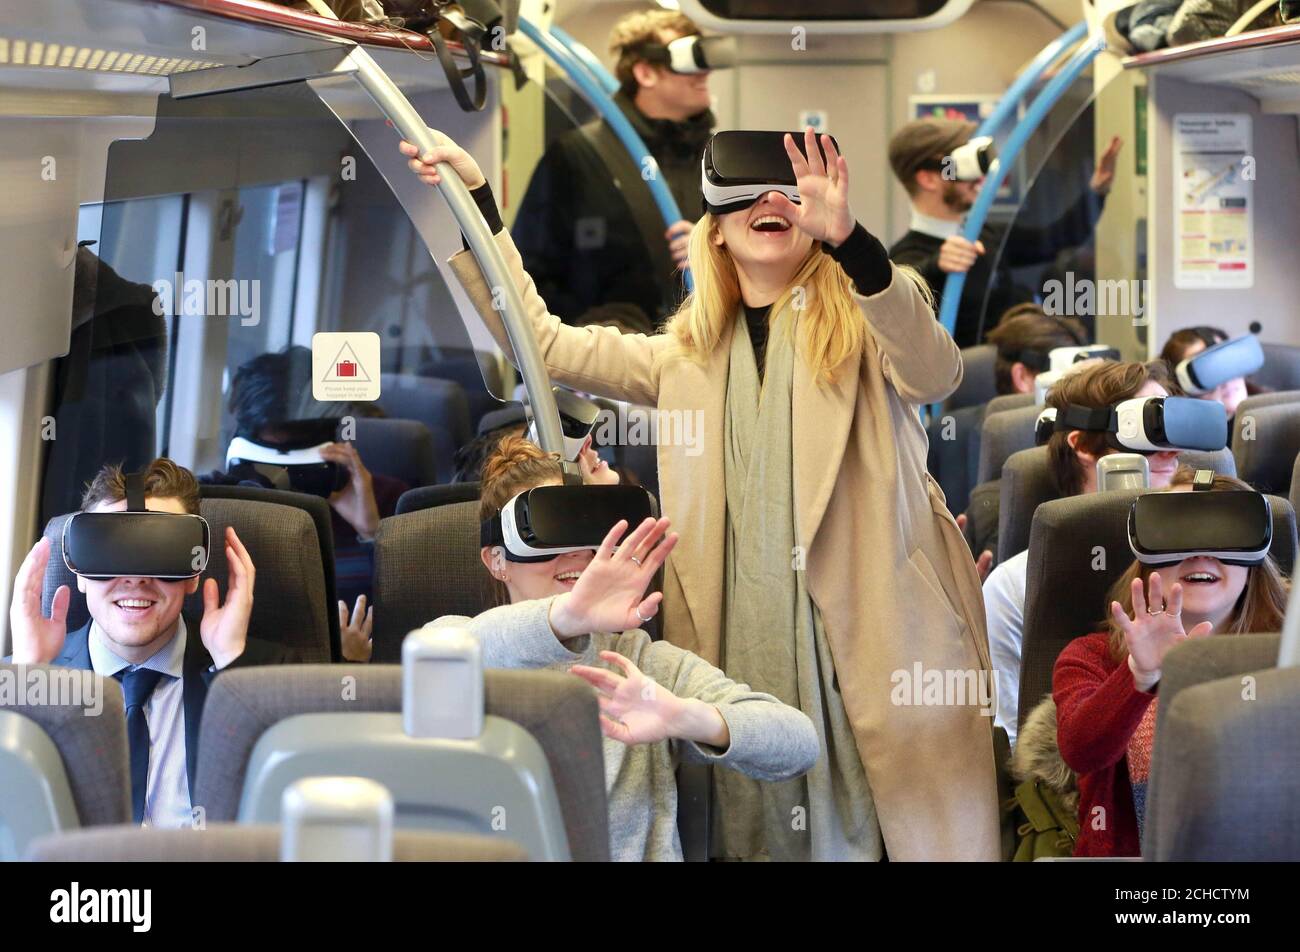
point(589, 231)
point(933, 243)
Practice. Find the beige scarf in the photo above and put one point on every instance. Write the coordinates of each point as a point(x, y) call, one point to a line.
point(773, 639)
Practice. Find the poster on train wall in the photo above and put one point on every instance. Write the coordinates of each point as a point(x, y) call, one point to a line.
point(1214, 178)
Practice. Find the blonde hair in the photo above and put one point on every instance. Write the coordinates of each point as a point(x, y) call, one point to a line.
point(1260, 607)
point(833, 329)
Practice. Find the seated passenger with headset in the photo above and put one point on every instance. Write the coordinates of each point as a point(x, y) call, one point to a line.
point(1105, 409)
point(1026, 338)
point(1210, 365)
point(137, 633)
point(1210, 573)
point(572, 599)
point(284, 440)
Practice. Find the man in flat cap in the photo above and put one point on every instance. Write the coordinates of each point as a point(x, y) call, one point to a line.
point(933, 243)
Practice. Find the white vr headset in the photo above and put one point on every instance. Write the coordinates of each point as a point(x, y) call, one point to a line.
point(693, 54)
point(1143, 424)
point(1063, 361)
point(578, 417)
point(972, 160)
point(1216, 365)
point(302, 470)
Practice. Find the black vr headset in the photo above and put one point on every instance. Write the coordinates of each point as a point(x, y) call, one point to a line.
point(540, 523)
point(578, 417)
point(1167, 527)
point(1216, 365)
point(740, 167)
point(692, 54)
point(1143, 424)
point(292, 460)
point(136, 543)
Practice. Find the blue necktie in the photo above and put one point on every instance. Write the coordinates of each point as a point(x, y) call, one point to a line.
point(137, 687)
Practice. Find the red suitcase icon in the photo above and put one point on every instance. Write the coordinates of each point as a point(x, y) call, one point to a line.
point(347, 368)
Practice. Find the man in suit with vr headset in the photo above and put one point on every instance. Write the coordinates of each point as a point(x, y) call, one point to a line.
point(138, 633)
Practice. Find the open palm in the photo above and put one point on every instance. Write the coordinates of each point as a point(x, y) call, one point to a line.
point(611, 590)
point(823, 209)
point(1150, 636)
point(634, 709)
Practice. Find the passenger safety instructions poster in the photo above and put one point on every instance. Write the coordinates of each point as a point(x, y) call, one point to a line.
point(1214, 205)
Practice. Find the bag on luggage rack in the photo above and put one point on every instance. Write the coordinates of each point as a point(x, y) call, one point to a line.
point(474, 24)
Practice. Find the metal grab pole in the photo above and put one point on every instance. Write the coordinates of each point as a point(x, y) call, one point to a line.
point(527, 355)
point(587, 58)
point(1034, 116)
point(593, 92)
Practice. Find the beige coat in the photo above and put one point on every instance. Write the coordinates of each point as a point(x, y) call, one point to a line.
point(886, 564)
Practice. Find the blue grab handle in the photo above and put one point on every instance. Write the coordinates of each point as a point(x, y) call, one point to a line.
point(979, 212)
point(587, 58)
point(1048, 55)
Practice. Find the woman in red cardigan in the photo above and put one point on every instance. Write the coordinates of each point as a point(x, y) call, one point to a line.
point(1104, 684)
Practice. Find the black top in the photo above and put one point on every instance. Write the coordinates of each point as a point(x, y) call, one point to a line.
point(863, 259)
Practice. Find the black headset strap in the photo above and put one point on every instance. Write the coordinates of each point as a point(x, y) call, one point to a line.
point(1091, 419)
point(490, 532)
point(1036, 360)
point(134, 484)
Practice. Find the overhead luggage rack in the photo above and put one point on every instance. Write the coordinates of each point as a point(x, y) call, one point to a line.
point(1263, 63)
point(160, 38)
point(272, 14)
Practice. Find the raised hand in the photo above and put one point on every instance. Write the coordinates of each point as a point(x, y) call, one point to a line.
point(1104, 174)
point(595, 471)
point(355, 502)
point(678, 237)
point(823, 210)
point(984, 564)
point(425, 166)
point(633, 708)
point(1150, 634)
point(37, 639)
point(224, 628)
point(610, 593)
point(355, 633)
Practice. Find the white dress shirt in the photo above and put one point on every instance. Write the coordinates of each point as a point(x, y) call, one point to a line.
point(1004, 612)
point(167, 793)
point(934, 227)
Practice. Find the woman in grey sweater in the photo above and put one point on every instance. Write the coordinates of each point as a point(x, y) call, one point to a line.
point(580, 612)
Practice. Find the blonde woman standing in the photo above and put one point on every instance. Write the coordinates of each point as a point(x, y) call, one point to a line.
point(818, 561)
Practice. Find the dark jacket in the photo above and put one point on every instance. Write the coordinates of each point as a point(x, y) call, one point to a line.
point(577, 226)
point(196, 674)
point(1024, 245)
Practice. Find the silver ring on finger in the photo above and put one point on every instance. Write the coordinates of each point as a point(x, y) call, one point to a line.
point(638, 562)
point(644, 620)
